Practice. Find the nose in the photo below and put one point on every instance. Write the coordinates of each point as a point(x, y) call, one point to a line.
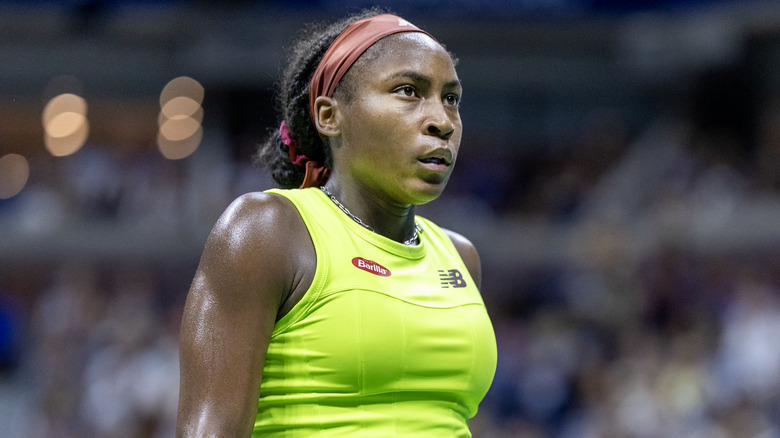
point(441, 131)
point(438, 121)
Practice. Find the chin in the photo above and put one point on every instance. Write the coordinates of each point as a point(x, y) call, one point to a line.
point(427, 191)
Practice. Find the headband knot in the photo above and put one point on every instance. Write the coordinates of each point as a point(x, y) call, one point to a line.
point(292, 146)
point(315, 173)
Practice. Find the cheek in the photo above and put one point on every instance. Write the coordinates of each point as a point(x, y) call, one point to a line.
point(381, 135)
point(369, 121)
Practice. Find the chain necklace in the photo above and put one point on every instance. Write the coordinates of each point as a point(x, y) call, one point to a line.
point(412, 241)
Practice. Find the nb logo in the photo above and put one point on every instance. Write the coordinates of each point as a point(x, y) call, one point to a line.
point(451, 278)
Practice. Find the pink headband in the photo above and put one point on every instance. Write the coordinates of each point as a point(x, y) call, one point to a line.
point(348, 47)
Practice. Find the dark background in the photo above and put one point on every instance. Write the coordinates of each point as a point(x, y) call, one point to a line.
point(619, 173)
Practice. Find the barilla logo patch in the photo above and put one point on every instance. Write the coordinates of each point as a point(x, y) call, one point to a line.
point(370, 266)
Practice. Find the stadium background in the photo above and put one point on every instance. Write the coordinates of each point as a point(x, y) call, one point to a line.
point(620, 174)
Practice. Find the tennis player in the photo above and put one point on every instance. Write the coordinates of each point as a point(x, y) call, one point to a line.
point(328, 308)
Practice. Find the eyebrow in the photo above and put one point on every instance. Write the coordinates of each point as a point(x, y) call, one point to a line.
point(419, 77)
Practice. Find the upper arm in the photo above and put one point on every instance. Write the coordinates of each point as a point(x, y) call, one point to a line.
point(243, 277)
point(468, 252)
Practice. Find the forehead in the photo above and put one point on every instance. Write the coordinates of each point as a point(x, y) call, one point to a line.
point(413, 50)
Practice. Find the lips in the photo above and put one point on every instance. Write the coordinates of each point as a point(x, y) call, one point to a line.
point(434, 160)
point(437, 158)
point(437, 165)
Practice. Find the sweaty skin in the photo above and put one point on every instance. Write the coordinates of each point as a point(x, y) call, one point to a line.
point(396, 141)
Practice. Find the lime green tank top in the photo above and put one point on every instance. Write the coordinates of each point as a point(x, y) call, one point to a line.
point(389, 340)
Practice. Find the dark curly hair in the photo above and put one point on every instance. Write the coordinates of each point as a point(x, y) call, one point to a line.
point(293, 103)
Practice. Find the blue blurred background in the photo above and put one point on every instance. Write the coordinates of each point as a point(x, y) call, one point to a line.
point(619, 173)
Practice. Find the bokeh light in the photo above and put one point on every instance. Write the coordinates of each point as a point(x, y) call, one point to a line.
point(182, 86)
point(65, 124)
point(62, 103)
point(183, 105)
point(179, 128)
point(180, 118)
point(14, 172)
point(178, 149)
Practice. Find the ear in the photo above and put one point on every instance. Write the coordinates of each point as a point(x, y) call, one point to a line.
point(327, 116)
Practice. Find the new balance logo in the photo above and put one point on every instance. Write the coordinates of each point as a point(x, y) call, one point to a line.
point(451, 278)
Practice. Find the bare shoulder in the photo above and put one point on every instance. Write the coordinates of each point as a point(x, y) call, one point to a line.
point(255, 216)
point(252, 243)
point(468, 252)
point(244, 276)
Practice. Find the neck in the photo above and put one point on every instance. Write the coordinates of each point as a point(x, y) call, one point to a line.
point(395, 222)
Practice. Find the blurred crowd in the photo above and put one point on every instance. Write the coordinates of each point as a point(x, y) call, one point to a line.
point(664, 323)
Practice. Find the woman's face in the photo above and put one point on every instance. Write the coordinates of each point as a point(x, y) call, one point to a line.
point(400, 126)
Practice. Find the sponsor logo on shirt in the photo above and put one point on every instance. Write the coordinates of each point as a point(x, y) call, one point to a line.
point(370, 266)
point(451, 278)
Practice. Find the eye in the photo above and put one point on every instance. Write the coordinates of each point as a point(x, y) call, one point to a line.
point(452, 99)
point(406, 90)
